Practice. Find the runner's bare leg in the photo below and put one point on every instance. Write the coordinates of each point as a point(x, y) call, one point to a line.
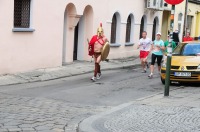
point(146, 62)
point(143, 63)
point(152, 69)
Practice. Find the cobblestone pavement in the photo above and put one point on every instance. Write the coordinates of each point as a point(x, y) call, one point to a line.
point(144, 118)
point(37, 115)
point(178, 113)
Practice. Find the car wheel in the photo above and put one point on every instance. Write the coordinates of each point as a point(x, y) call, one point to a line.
point(180, 83)
point(162, 80)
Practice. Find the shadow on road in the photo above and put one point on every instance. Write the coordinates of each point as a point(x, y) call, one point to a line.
point(186, 84)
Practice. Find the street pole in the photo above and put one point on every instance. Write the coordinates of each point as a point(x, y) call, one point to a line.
point(185, 19)
point(169, 55)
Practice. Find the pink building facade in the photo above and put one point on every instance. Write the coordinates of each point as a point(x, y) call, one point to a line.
point(50, 33)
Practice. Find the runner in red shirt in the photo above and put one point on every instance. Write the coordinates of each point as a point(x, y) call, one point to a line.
point(95, 47)
point(187, 38)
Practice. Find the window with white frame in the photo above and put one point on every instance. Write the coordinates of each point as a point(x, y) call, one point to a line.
point(128, 29)
point(22, 12)
point(161, 3)
point(113, 29)
point(189, 23)
point(180, 21)
point(180, 17)
point(179, 27)
point(143, 25)
point(154, 2)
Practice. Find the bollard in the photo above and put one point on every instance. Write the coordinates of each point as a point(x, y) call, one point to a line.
point(168, 72)
point(169, 55)
point(168, 68)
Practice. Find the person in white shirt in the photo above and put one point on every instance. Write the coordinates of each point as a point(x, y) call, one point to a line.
point(145, 47)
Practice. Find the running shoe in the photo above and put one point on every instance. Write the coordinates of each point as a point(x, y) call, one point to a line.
point(99, 76)
point(150, 76)
point(144, 71)
point(94, 79)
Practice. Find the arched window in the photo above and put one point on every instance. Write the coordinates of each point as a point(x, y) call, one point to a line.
point(143, 25)
point(155, 27)
point(113, 29)
point(128, 29)
point(180, 21)
point(161, 3)
point(179, 27)
point(180, 16)
point(154, 2)
point(154, 30)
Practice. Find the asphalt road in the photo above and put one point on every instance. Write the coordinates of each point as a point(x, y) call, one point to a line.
point(115, 87)
point(71, 99)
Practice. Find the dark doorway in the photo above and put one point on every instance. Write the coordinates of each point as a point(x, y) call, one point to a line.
point(154, 29)
point(76, 42)
point(141, 27)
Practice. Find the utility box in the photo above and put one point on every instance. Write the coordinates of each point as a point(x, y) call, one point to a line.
point(155, 4)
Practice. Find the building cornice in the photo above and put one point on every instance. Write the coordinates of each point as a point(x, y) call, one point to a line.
point(195, 1)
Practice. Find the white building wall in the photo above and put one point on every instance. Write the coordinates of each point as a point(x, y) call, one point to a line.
point(43, 48)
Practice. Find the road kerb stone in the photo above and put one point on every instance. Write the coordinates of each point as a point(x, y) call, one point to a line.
point(155, 110)
point(85, 125)
point(39, 76)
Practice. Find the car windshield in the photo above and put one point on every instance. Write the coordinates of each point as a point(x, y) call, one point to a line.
point(178, 49)
point(191, 49)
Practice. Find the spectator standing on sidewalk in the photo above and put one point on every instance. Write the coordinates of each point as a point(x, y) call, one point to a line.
point(144, 46)
point(173, 44)
point(187, 38)
point(157, 53)
point(176, 37)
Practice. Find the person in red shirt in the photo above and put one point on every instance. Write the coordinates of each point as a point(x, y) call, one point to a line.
point(187, 37)
point(95, 47)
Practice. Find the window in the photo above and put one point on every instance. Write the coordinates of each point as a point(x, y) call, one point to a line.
point(128, 29)
point(191, 49)
point(189, 23)
point(143, 25)
point(179, 27)
point(22, 13)
point(161, 3)
point(145, 3)
point(114, 29)
point(155, 28)
point(154, 2)
point(180, 17)
point(177, 50)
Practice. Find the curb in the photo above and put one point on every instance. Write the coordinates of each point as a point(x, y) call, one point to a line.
point(86, 124)
point(24, 81)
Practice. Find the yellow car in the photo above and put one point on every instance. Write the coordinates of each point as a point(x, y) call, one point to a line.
point(185, 65)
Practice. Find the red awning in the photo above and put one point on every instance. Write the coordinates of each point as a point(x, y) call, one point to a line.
point(174, 2)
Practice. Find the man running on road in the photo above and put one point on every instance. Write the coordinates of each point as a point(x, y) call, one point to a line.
point(145, 47)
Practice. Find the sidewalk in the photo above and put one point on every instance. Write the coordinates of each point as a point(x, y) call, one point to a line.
point(76, 68)
point(178, 113)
